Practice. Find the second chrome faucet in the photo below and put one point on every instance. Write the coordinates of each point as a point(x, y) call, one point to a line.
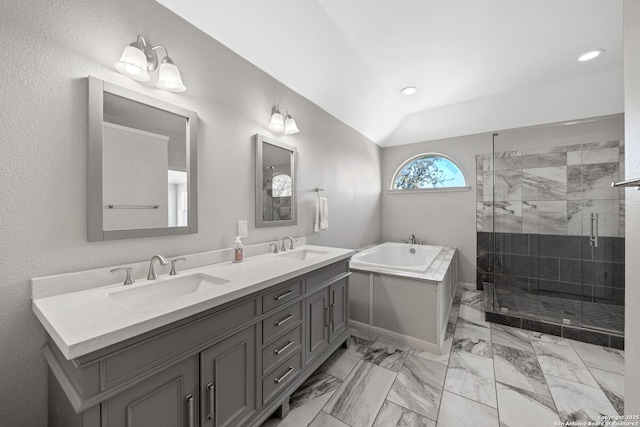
point(153, 273)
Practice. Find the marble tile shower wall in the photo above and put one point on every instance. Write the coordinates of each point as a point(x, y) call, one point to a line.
point(543, 205)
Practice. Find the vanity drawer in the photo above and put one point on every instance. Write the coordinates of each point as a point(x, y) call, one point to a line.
point(282, 348)
point(326, 274)
point(281, 296)
point(281, 321)
point(281, 377)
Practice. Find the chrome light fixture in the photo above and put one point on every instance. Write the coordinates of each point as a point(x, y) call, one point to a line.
point(282, 124)
point(139, 58)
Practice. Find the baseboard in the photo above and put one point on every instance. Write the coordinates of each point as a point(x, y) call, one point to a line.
point(395, 337)
point(467, 286)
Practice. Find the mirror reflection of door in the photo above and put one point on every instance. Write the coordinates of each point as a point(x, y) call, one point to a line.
point(276, 184)
point(145, 166)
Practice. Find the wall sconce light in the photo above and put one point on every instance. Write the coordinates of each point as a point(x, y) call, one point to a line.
point(280, 124)
point(139, 58)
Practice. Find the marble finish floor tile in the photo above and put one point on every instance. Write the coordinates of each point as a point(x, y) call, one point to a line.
point(472, 337)
point(387, 354)
point(471, 376)
point(456, 411)
point(595, 356)
point(510, 337)
point(325, 420)
point(553, 339)
point(519, 369)
point(307, 401)
point(418, 386)
point(579, 402)
point(392, 415)
point(613, 387)
point(315, 386)
point(521, 408)
point(563, 362)
point(474, 299)
point(342, 362)
point(361, 395)
point(472, 315)
point(440, 358)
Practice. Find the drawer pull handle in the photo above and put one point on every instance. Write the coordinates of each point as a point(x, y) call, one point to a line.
point(284, 348)
point(192, 415)
point(211, 401)
point(286, 294)
point(286, 319)
point(279, 380)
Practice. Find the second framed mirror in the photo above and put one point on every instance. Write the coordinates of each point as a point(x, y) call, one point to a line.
point(275, 183)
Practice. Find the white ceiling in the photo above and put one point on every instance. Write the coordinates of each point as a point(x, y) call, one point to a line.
point(479, 65)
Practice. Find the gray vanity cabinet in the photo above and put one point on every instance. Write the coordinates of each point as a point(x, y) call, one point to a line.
point(228, 381)
point(317, 315)
point(326, 314)
point(339, 299)
point(165, 400)
point(233, 365)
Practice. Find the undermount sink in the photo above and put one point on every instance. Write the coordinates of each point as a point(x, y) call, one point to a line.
point(302, 254)
point(163, 290)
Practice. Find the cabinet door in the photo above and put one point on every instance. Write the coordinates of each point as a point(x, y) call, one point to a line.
point(317, 323)
point(164, 400)
point(339, 304)
point(228, 380)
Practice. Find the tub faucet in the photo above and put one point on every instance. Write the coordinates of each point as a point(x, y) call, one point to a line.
point(283, 248)
point(153, 274)
point(412, 239)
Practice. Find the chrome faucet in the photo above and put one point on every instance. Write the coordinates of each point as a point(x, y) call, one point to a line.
point(412, 239)
point(283, 248)
point(275, 247)
point(153, 274)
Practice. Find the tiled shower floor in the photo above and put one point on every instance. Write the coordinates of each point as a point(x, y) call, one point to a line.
point(490, 375)
point(587, 314)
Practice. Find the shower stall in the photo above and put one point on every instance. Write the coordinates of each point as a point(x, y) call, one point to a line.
point(550, 229)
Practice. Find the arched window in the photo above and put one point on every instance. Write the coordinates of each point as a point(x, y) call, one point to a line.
point(281, 185)
point(427, 172)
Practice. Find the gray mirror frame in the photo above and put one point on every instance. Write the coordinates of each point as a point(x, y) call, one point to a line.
point(260, 223)
point(95, 229)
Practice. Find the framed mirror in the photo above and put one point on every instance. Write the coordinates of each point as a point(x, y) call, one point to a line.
point(275, 183)
point(141, 165)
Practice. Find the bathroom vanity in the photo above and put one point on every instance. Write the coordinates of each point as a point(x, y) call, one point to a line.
point(230, 355)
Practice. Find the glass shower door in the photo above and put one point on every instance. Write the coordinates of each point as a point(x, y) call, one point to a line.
point(602, 219)
point(557, 227)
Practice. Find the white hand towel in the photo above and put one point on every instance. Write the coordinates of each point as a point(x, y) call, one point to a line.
point(322, 214)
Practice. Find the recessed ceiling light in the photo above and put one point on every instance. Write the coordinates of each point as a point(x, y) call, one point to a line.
point(409, 90)
point(588, 56)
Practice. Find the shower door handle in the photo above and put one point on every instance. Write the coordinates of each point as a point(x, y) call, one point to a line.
point(593, 239)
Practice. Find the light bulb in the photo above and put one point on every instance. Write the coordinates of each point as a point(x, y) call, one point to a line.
point(133, 63)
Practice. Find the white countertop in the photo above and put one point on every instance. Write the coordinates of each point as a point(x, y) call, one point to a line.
point(85, 321)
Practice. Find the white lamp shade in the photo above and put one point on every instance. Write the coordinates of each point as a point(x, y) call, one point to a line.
point(277, 122)
point(290, 126)
point(169, 78)
point(133, 63)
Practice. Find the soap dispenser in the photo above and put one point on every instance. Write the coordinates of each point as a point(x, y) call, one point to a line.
point(238, 250)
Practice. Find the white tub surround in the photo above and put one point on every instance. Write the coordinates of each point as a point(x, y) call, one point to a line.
point(83, 321)
point(394, 257)
point(404, 296)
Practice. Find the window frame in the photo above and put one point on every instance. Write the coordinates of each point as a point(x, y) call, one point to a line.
point(393, 190)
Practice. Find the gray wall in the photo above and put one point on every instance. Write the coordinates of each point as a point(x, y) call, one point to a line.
point(440, 218)
point(632, 161)
point(49, 48)
point(449, 218)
